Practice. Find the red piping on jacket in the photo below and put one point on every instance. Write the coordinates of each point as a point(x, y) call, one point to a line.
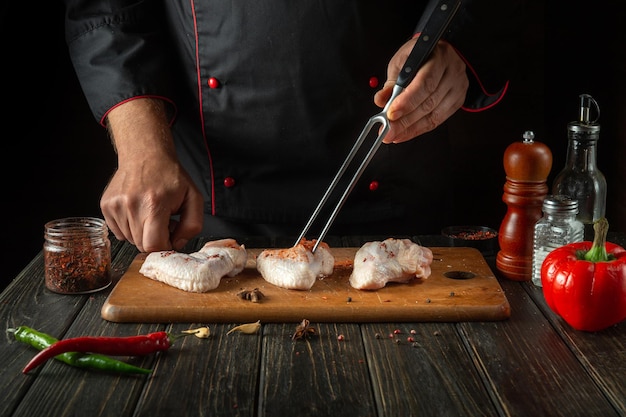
point(104, 117)
point(502, 92)
point(206, 143)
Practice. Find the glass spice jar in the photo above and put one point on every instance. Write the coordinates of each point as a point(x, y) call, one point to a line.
point(557, 227)
point(77, 255)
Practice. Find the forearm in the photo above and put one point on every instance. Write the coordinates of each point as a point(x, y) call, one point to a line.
point(139, 129)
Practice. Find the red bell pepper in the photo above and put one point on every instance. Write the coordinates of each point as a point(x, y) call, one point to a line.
point(585, 282)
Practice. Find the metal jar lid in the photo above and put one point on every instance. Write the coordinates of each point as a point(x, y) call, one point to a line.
point(560, 204)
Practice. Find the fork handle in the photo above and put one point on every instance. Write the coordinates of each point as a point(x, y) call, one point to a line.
point(441, 14)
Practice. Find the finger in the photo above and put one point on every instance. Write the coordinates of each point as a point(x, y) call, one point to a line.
point(416, 123)
point(114, 228)
point(423, 92)
point(382, 96)
point(155, 232)
point(116, 220)
point(191, 219)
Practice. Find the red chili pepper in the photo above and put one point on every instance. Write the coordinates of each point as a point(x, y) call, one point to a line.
point(115, 346)
point(585, 283)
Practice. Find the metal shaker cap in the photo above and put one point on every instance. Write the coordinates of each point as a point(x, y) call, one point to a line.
point(560, 204)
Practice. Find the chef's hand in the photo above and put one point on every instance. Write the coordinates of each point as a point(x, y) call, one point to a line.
point(436, 93)
point(149, 185)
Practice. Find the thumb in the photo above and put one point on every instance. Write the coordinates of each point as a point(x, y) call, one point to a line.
point(382, 96)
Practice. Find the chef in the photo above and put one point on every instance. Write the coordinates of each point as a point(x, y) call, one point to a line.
point(230, 118)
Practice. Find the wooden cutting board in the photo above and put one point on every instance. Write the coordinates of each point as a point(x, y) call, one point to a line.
point(461, 287)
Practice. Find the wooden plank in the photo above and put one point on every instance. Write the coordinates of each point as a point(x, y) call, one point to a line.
point(214, 377)
point(430, 375)
point(529, 369)
point(602, 354)
point(317, 376)
point(441, 297)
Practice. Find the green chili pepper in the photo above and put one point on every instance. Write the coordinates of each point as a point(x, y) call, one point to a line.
point(41, 341)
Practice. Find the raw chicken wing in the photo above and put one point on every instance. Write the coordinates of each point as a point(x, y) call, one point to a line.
point(199, 271)
point(296, 268)
point(392, 260)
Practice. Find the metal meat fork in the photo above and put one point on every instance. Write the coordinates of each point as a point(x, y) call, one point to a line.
point(435, 20)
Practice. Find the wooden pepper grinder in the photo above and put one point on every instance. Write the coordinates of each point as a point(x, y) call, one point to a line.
point(527, 165)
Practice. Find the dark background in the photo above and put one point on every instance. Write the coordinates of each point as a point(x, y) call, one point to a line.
point(58, 159)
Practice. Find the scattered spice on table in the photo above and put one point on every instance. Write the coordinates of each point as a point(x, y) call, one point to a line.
point(304, 330)
point(247, 328)
point(200, 332)
point(41, 341)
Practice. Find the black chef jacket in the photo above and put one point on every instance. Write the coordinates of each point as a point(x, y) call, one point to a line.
point(268, 96)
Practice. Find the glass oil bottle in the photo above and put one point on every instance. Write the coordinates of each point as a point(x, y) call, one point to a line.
point(581, 179)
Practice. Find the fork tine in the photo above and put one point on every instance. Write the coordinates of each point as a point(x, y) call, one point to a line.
point(374, 120)
point(342, 170)
point(377, 118)
point(380, 118)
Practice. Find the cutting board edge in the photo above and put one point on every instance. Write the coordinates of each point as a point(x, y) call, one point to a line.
point(498, 309)
point(495, 312)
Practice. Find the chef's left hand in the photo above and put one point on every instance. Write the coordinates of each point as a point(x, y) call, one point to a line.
point(436, 93)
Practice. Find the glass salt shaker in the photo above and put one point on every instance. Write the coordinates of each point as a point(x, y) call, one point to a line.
point(77, 255)
point(558, 227)
point(581, 179)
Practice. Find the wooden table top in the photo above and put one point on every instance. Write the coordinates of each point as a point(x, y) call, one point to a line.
point(531, 364)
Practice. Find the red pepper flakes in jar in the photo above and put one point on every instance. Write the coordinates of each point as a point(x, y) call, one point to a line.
point(77, 255)
point(474, 235)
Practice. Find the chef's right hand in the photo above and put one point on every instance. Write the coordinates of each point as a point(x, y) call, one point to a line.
point(149, 185)
point(436, 93)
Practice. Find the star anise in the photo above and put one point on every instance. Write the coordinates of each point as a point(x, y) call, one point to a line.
point(304, 330)
point(254, 295)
